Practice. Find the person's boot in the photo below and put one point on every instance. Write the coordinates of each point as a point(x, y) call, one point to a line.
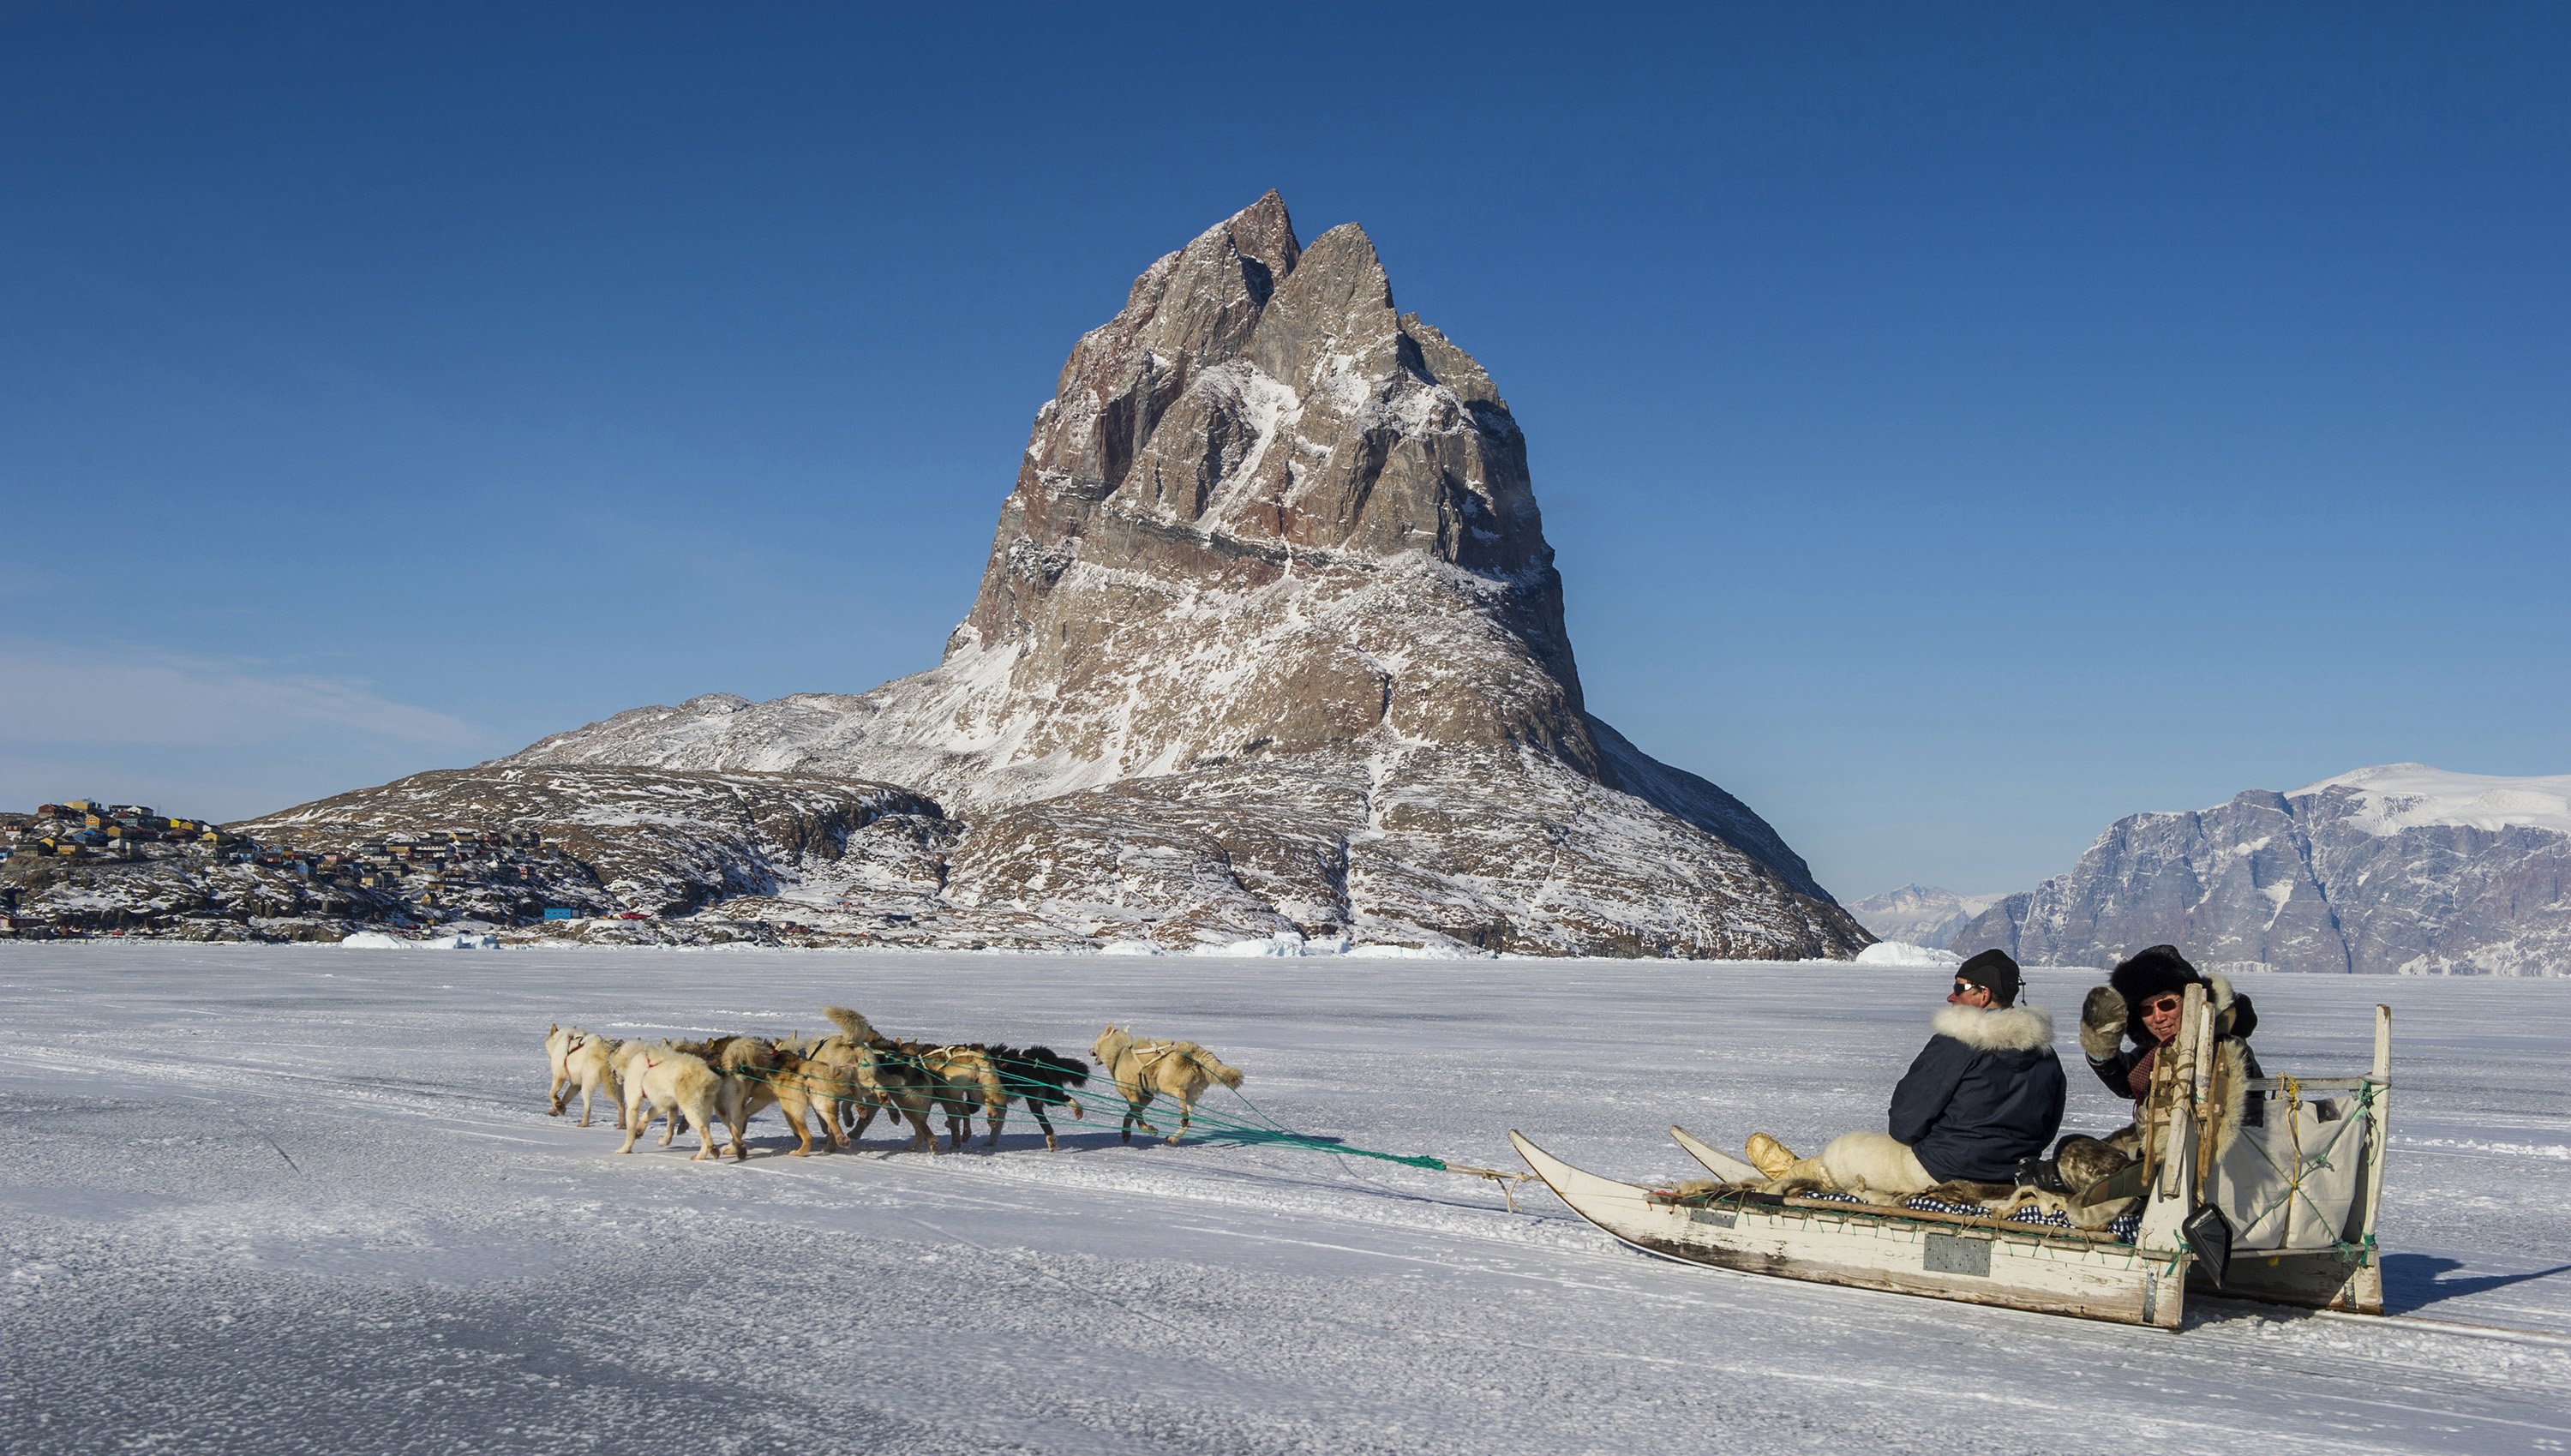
point(1771, 1157)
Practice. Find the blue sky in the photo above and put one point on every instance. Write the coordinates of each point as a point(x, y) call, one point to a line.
point(1958, 426)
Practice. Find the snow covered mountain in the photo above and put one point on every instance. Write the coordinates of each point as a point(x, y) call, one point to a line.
point(1270, 616)
point(2395, 868)
point(1919, 914)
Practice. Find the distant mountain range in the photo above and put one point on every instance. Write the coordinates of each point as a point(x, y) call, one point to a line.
point(1919, 914)
point(2399, 868)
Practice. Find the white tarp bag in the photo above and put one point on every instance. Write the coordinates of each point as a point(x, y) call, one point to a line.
point(2288, 1185)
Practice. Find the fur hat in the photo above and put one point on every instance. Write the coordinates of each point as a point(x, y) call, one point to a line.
point(1994, 971)
point(2147, 975)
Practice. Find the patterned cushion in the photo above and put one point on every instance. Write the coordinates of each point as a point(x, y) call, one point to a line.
point(2123, 1228)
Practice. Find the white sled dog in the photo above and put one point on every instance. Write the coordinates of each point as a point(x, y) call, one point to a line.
point(586, 1062)
point(621, 1061)
point(559, 1039)
point(1144, 1070)
point(674, 1083)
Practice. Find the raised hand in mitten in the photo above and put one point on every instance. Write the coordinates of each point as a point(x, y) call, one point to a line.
point(2102, 1023)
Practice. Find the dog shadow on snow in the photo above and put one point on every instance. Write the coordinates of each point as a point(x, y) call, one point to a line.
point(779, 1144)
point(2413, 1281)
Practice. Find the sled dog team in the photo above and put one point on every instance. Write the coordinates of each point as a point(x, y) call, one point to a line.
point(855, 1073)
point(1969, 1122)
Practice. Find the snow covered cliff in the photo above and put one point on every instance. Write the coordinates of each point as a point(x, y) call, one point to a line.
point(1270, 632)
point(2395, 868)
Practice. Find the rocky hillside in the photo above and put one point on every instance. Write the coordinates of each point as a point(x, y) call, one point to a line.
point(1269, 638)
point(185, 897)
point(2399, 868)
point(657, 843)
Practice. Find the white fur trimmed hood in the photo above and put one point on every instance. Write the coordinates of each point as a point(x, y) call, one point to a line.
point(2014, 1029)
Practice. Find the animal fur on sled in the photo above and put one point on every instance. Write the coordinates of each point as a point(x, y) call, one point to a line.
point(1144, 1070)
point(1879, 1168)
point(2079, 1162)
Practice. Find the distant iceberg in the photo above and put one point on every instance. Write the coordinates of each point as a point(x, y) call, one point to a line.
point(1904, 953)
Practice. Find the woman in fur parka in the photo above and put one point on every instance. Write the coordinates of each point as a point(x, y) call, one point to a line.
point(2141, 1002)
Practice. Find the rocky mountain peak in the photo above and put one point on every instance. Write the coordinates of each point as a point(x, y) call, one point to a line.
point(1269, 527)
point(1259, 433)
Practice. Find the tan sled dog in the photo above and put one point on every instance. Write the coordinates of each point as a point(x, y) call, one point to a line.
point(758, 1074)
point(888, 1082)
point(1143, 1070)
point(966, 1080)
point(674, 1083)
point(590, 1063)
point(829, 1075)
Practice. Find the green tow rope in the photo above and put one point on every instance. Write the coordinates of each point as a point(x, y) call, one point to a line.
point(1268, 1131)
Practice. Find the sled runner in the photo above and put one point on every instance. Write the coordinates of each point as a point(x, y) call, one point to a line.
point(2283, 1214)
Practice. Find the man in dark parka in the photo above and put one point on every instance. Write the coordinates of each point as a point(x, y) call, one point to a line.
point(1984, 1095)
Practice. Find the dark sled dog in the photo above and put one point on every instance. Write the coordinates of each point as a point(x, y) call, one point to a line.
point(1041, 1078)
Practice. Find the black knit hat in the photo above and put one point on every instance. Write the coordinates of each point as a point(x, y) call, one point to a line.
point(2147, 975)
point(1994, 971)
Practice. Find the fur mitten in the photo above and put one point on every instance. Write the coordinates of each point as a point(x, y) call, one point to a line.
point(2102, 1023)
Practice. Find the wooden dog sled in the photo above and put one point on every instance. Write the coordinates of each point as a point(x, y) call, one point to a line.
point(2299, 1197)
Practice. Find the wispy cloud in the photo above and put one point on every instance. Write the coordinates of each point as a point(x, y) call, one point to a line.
point(52, 693)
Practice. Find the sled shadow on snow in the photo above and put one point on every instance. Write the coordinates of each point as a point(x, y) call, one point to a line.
point(2412, 1281)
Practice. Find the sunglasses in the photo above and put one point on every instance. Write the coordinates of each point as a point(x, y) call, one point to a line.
point(2159, 1004)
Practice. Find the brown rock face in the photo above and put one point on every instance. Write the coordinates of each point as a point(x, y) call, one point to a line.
point(1273, 560)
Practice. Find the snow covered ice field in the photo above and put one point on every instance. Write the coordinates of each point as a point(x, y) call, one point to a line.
point(290, 1199)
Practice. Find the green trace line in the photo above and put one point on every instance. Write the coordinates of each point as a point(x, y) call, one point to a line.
point(1266, 1131)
